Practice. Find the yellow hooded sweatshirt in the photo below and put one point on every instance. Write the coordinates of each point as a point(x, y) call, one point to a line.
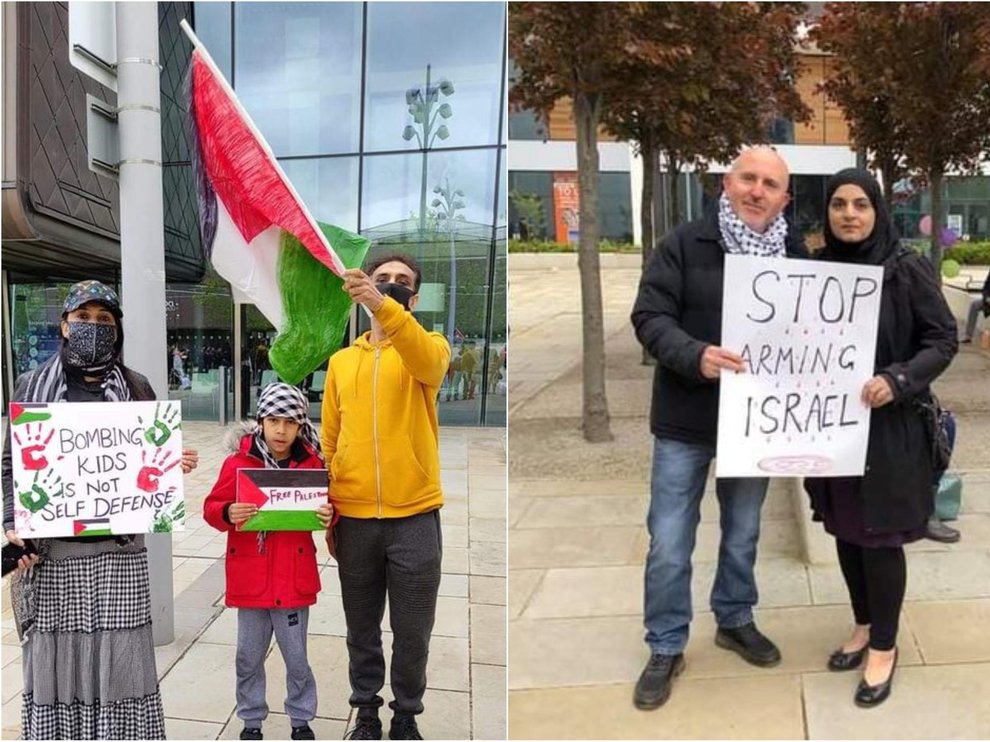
point(379, 430)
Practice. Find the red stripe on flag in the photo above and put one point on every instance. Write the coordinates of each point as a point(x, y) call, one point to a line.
point(240, 170)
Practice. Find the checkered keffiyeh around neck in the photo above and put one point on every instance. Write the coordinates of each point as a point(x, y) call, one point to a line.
point(739, 239)
point(279, 399)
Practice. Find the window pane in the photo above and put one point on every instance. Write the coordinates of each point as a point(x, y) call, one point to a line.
point(212, 26)
point(393, 186)
point(298, 73)
point(463, 44)
point(328, 187)
point(530, 205)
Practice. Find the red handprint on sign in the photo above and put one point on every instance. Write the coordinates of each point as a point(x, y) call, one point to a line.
point(147, 478)
point(32, 455)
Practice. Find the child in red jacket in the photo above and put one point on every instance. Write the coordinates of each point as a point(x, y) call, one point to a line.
point(272, 578)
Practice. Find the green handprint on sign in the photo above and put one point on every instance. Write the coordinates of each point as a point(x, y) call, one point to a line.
point(165, 521)
point(159, 432)
point(38, 496)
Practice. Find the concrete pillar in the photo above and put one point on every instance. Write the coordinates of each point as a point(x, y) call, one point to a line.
point(142, 243)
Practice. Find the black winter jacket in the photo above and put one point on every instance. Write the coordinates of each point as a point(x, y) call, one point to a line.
point(678, 312)
point(916, 340)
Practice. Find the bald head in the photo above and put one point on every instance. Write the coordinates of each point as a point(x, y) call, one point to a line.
point(756, 186)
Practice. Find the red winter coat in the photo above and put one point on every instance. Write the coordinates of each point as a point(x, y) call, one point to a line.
point(285, 575)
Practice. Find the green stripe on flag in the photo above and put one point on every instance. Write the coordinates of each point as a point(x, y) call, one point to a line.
point(315, 307)
point(284, 520)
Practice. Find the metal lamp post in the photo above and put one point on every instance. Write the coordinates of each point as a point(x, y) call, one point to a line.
point(448, 205)
point(421, 103)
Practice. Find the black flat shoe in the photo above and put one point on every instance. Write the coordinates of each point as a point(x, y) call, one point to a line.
point(868, 696)
point(840, 660)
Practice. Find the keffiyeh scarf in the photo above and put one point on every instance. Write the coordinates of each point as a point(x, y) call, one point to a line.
point(739, 239)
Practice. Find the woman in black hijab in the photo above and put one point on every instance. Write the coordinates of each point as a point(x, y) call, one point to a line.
point(873, 516)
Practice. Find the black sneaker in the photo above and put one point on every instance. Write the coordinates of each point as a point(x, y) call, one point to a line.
point(404, 727)
point(656, 680)
point(366, 727)
point(252, 733)
point(750, 644)
point(303, 732)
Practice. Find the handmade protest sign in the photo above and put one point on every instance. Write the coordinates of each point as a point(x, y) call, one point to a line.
point(287, 499)
point(807, 332)
point(97, 468)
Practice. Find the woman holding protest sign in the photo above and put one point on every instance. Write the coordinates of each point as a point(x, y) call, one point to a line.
point(873, 516)
point(82, 605)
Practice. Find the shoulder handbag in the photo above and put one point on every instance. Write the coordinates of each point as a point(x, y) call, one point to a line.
point(936, 427)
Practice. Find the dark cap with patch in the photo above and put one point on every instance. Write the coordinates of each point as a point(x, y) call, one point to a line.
point(87, 291)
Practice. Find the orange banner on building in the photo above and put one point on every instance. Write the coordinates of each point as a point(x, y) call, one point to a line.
point(566, 206)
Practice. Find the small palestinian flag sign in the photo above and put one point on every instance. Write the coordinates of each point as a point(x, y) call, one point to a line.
point(287, 499)
point(22, 414)
point(92, 527)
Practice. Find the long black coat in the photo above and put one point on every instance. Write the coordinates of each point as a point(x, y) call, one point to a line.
point(916, 340)
point(678, 312)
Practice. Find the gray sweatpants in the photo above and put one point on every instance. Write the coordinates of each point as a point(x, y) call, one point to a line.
point(254, 634)
point(398, 557)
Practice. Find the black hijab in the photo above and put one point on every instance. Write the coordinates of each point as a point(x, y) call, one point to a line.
point(883, 240)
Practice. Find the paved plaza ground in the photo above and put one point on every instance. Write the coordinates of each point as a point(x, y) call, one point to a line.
point(578, 543)
point(466, 672)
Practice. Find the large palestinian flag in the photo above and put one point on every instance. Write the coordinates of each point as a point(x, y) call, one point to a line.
point(258, 233)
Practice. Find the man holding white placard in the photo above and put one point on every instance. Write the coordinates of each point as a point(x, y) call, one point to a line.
point(678, 317)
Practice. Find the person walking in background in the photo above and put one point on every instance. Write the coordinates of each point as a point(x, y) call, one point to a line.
point(678, 317)
point(381, 440)
point(272, 578)
point(873, 516)
point(980, 304)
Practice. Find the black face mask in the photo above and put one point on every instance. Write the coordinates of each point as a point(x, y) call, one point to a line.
point(397, 291)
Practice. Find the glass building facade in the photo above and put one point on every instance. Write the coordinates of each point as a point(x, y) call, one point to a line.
point(334, 88)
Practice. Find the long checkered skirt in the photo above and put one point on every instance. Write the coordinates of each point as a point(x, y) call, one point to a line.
point(89, 664)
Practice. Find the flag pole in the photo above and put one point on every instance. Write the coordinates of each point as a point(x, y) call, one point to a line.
point(340, 268)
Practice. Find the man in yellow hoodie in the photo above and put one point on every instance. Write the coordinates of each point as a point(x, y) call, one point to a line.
point(380, 439)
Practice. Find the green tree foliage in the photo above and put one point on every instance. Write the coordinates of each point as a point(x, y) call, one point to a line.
point(913, 80)
point(580, 51)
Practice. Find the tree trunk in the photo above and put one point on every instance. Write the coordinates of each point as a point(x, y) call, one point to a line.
point(673, 173)
point(648, 151)
point(889, 172)
point(595, 420)
point(938, 219)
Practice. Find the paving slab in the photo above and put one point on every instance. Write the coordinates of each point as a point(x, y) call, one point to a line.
point(951, 631)
point(767, 707)
point(522, 585)
point(488, 634)
point(617, 591)
point(572, 547)
point(200, 687)
point(278, 726)
point(941, 702)
point(488, 590)
point(186, 729)
point(611, 649)
point(489, 713)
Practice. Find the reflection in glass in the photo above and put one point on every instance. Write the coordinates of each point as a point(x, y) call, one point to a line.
point(212, 22)
point(298, 73)
point(460, 43)
point(329, 188)
point(391, 190)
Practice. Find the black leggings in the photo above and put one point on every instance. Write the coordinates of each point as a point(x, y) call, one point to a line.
point(876, 579)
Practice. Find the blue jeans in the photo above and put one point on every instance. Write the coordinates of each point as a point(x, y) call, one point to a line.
point(678, 482)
